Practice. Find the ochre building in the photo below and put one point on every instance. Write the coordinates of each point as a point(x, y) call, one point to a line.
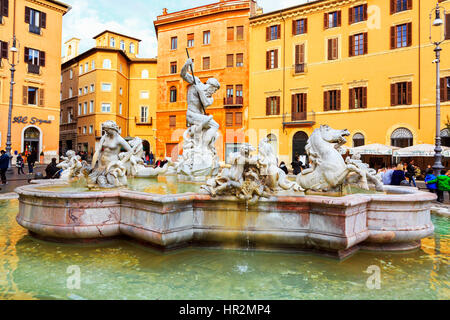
point(37, 26)
point(217, 37)
point(365, 66)
point(107, 82)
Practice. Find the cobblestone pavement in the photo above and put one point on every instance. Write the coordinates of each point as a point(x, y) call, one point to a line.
point(15, 180)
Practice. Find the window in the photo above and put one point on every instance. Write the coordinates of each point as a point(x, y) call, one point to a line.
point(357, 14)
point(79, 109)
point(173, 43)
point(91, 106)
point(299, 111)
point(91, 129)
point(122, 45)
point(144, 95)
point(106, 107)
point(85, 90)
point(144, 74)
point(80, 91)
point(332, 19)
point(106, 86)
point(70, 115)
point(273, 32)
point(32, 95)
point(120, 108)
point(401, 36)
point(206, 63)
point(239, 60)
point(445, 89)
point(92, 87)
point(357, 98)
point(120, 68)
point(401, 138)
point(172, 121)
point(173, 67)
point(229, 119)
point(70, 74)
point(401, 93)
point(70, 92)
point(447, 26)
point(106, 64)
point(80, 69)
point(112, 42)
point(230, 33)
point(86, 67)
point(230, 95)
point(400, 5)
point(35, 59)
point(131, 47)
point(240, 33)
point(333, 49)
point(332, 100)
point(84, 130)
point(173, 94)
point(299, 26)
point(230, 60)
point(272, 59)
point(144, 114)
point(190, 40)
point(93, 65)
point(358, 140)
point(357, 45)
point(300, 58)
point(36, 20)
point(239, 94)
point(85, 108)
point(238, 118)
point(206, 37)
point(272, 106)
point(120, 91)
point(4, 7)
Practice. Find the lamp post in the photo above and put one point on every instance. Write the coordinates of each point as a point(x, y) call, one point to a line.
point(437, 22)
point(13, 44)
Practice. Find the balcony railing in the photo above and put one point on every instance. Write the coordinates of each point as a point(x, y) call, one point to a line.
point(35, 69)
point(299, 68)
point(232, 102)
point(143, 123)
point(299, 119)
point(34, 29)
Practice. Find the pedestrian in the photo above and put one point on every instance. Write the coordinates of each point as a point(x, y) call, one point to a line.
point(398, 175)
point(283, 167)
point(443, 184)
point(411, 173)
point(147, 159)
point(31, 159)
point(296, 168)
point(152, 158)
point(20, 164)
point(432, 187)
point(52, 171)
point(4, 164)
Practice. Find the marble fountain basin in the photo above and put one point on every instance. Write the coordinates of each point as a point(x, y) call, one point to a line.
point(336, 226)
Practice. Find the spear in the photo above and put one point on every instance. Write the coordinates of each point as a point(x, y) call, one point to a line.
point(193, 76)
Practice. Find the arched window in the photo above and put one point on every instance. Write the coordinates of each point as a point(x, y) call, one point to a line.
point(358, 140)
point(112, 42)
point(106, 64)
point(131, 47)
point(173, 94)
point(122, 45)
point(299, 142)
point(144, 74)
point(445, 137)
point(402, 138)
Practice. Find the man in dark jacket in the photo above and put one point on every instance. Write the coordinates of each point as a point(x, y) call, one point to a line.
point(411, 173)
point(4, 165)
point(51, 170)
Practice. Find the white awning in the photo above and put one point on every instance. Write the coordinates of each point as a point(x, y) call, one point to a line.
point(374, 149)
point(419, 150)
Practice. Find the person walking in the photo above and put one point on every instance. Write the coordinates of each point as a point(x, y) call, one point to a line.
point(398, 175)
point(443, 184)
point(31, 159)
point(411, 173)
point(4, 165)
point(432, 187)
point(20, 164)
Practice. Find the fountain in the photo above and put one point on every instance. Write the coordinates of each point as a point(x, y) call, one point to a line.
point(310, 213)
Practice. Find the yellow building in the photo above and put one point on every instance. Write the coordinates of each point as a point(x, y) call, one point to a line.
point(104, 83)
point(361, 65)
point(37, 26)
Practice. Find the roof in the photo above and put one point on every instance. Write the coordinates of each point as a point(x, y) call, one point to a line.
point(116, 33)
point(286, 9)
point(62, 4)
point(144, 60)
point(91, 51)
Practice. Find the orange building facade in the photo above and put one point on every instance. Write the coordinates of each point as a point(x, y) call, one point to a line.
point(217, 37)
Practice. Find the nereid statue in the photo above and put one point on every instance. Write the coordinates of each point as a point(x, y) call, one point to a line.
point(71, 166)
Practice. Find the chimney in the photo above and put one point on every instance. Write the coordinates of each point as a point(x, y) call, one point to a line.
point(164, 11)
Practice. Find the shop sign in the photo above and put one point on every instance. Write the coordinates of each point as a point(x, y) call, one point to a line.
point(33, 120)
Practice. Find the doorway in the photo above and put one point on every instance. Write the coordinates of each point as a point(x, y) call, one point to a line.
point(298, 146)
point(31, 140)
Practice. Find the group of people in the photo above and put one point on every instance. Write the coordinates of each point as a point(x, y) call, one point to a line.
point(27, 157)
point(439, 184)
point(402, 174)
point(297, 165)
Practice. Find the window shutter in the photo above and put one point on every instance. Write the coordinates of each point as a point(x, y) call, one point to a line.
point(443, 89)
point(305, 100)
point(294, 25)
point(4, 49)
point(409, 31)
point(25, 95)
point(27, 53)
point(335, 48)
point(409, 4)
point(325, 20)
point(278, 105)
point(409, 93)
point(302, 53)
point(365, 12)
point(297, 54)
point(279, 31)
point(350, 46)
point(294, 104)
point(27, 15)
point(393, 38)
point(267, 106)
point(330, 49)
point(350, 15)
point(306, 25)
point(447, 26)
point(5, 7)
point(338, 100)
point(393, 94)
point(41, 97)
point(351, 99)
point(366, 42)
point(267, 33)
point(339, 18)
point(393, 6)
point(42, 58)
point(325, 101)
point(364, 102)
point(276, 59)
point(267, 60)
point(43, 23)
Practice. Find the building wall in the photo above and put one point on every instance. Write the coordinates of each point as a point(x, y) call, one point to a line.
point(48, 80)
point(376, 70)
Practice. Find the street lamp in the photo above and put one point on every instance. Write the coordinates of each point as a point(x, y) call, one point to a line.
point(14, 45)
point(437, 22)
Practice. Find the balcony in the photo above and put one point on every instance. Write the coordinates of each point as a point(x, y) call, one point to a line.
point(230, 102)
point(299, 68)
point(34, 29)
point(299, 119)
point(140, 123)
point(35, 69)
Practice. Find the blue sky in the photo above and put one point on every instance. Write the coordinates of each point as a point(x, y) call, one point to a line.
point(133, 17)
